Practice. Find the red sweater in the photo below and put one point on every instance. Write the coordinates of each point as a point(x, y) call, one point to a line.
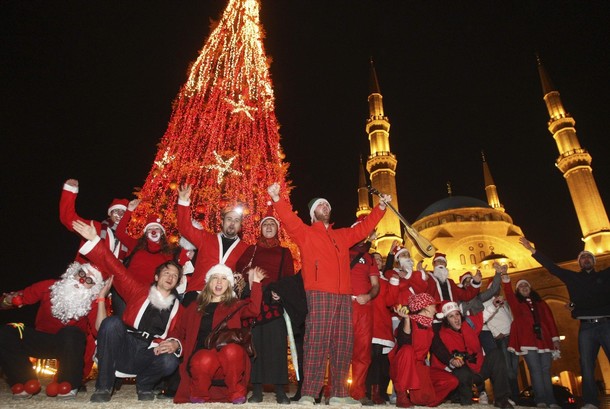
point(465, 340)
point(209, 248)
point(325, 251)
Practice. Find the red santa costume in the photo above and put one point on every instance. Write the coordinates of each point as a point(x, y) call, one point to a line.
point(362, 316)
point(65, 316)
point(210, 249)
point(447, 290)
point(202, 369)
point(408, 368)
point(143, 261)
point(105, 229)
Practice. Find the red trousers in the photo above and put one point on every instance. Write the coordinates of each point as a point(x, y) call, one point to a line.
point(362, 319)
point(230, 364)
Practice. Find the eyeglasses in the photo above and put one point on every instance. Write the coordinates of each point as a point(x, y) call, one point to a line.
point(84, 278)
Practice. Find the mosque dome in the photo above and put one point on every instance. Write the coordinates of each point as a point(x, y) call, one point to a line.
point(452, 202)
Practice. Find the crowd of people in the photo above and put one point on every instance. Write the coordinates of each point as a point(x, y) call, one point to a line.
point(435, 340)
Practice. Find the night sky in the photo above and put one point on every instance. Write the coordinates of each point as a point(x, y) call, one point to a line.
point(87, 89)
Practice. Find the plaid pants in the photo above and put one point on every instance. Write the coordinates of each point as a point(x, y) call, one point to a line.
point(328, 334)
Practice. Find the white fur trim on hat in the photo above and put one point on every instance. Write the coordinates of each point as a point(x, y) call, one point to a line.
point(315, 204)
point(155, 224)
point(267, 218)
point(94, 272)
point(222, 270)
point(522, 281)
point(448, 308)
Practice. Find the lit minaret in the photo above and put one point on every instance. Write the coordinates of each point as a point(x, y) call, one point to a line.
point(364, 205)
point(575, 164)
point(490, 186)
point(381, 166)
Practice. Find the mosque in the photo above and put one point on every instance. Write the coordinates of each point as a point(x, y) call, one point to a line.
point(474, 233)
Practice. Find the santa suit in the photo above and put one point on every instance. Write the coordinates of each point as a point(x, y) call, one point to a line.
point(457, 294)
point(362, 318)
point(209, 248)
point(50, 338)
point(409, 371)
point(105, 229)
point(127, 346)
point(143, 262)
point(236, 370)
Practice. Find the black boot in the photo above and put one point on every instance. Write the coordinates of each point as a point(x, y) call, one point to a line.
point(257, 393)
point(297, 395)
point(280, 395)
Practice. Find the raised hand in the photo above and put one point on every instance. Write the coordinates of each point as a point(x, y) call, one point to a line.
point(72, 182)
point(184, 192)
point(274, 191)
point(106, 288)
point(477, 277)
point(133, 204)
point(257, 274)
point(383, 200)
point(527, 244)
point(87, 231)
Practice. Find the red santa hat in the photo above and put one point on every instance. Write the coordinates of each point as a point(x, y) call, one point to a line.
point(118, 204)
point(154, 221)
point(522, 281)
point(447, 307)
point(222, 270)
point(464, 276)
point(439, 256)
point(313, 203)
point(420, 301)
point(398, 250)
point(269, 215)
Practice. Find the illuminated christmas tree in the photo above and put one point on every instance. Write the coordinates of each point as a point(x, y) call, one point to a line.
point(223, 136)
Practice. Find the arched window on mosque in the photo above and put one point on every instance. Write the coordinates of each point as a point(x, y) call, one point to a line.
point(463, 259)
point(473, 259)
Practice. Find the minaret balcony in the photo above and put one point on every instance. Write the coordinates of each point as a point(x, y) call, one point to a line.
point(558, 124)
point(572, 159)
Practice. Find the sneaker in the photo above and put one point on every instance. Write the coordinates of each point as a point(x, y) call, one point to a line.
point(541, 405)
point(346, 400)
point(554, 406)
point(512, 402)
point(585, 406)
point(366, 402)
point(282, 399)
point(483, 399)
point(239, 401)
point(306, 400)
point(256, 398)
point(146, 395)
point(22, 395)
point(101, 395)
point(69, 395)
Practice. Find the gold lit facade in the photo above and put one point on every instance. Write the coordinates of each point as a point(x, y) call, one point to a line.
point(574, 162)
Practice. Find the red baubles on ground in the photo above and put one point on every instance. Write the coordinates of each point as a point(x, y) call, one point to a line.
point(32, 386)
point(17, 388)
point(64, 388)
point(52, 389)
point(17, 301)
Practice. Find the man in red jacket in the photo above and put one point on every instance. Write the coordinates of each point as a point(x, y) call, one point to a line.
point(326, 277)
point(66, 314)
point(224, 247)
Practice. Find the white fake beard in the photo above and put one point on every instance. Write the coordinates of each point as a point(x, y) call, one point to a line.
point(441, 273)
point(70, 300)
point(154, 238)
point(406, 264)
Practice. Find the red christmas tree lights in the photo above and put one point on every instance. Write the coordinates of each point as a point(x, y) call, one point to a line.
point(223, 136)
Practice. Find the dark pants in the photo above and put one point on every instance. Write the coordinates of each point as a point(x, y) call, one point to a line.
point(119, 350)
point(493, 368)
point(67, 346)
point(379, 371)
point(591, 337)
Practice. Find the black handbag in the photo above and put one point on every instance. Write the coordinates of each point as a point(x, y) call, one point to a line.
point(221, 336)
